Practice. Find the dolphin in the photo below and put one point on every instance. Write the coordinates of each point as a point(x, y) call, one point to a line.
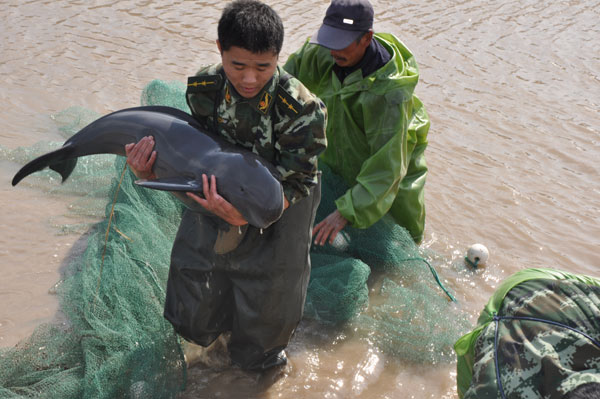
point(185, 151)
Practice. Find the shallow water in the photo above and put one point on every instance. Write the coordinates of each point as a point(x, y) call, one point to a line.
point(513, 92)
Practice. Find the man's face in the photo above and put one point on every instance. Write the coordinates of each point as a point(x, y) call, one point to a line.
point(248, 72)
point(352, 54)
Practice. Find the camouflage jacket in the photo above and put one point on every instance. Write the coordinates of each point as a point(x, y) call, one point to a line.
point(541, 329)
point(284, 123)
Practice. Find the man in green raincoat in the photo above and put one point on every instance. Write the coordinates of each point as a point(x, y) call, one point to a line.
point(377, 128)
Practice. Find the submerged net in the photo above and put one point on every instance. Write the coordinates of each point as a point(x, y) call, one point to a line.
point(409, 314)
point(115, 341)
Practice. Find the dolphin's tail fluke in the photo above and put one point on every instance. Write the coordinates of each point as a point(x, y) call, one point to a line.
point(58, 161)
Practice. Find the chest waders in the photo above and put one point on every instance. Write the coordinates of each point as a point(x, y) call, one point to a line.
point(253, 285)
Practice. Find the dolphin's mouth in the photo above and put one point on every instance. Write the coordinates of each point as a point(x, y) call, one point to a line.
point(270, 205)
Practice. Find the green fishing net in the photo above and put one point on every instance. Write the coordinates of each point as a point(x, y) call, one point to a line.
point(409, 313)
point(114, 341)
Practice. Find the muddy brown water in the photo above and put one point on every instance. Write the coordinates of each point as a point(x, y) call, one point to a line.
point(513, 92)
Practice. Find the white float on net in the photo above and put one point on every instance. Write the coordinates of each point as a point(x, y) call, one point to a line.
point(477, 255)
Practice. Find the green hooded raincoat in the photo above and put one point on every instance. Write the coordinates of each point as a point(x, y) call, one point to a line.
point(377, 134)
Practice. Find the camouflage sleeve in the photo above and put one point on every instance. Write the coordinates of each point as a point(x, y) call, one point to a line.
point(201, 102)
point(300, 138)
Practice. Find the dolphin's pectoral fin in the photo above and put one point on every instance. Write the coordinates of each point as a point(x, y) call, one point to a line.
point(179, 183)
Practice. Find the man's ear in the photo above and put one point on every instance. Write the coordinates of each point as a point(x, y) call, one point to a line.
point(368, 37)
point(219, 46)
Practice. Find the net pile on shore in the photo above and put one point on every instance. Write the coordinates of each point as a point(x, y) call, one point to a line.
point(115, 341)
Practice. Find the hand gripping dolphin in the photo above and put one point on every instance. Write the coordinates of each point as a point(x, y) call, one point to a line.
point(184, 152)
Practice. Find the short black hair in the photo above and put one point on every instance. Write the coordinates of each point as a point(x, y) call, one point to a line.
point(362, 34)
point(251, 25)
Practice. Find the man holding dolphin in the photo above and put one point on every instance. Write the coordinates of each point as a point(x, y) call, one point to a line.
point(226, 275)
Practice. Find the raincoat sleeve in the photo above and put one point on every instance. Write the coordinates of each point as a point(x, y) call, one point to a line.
point(386, 128)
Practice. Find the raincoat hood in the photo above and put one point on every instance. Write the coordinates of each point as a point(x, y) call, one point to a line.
point(401, 73)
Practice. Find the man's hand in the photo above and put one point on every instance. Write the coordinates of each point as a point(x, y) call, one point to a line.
point(141, 157)
point(329, 228)
point(216, 204)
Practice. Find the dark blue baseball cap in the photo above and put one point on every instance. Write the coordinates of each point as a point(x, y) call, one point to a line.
point(344, 21)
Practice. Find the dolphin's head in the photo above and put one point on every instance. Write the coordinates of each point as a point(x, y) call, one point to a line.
point(265, 204)
point(256, 192)
point(244, 179)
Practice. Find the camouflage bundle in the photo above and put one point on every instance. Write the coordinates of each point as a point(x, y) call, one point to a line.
point(538, 337)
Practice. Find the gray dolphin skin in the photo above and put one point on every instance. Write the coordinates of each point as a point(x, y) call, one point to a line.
point(184, 152)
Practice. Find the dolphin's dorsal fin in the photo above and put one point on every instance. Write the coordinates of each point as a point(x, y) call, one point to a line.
point(177, 183)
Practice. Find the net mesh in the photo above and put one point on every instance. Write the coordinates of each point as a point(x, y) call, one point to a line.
point(114, 341)
point(379, 280)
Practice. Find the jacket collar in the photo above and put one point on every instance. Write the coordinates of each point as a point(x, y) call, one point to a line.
point(261, 103)
point(375, 57)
